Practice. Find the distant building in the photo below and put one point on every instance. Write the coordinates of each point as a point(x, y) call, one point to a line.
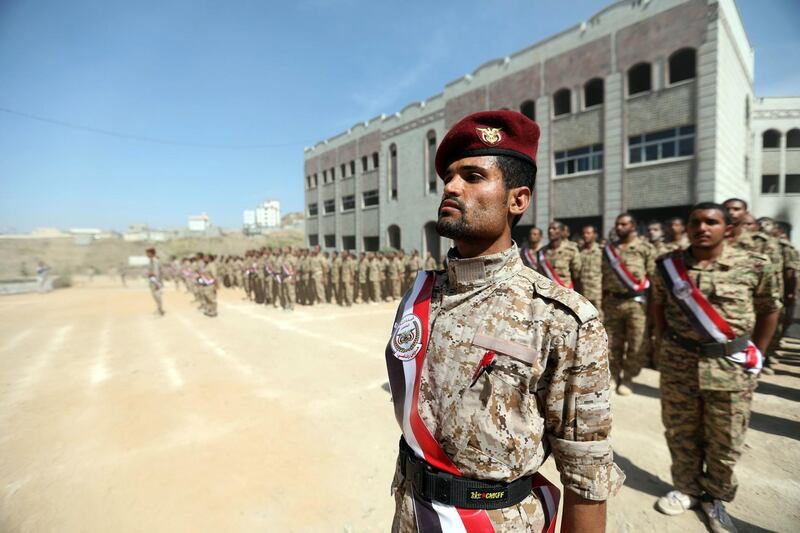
point(264, 217)
point(646, 107)
point(47, 233)
point(293, 221)
point(776, 161)
point(199, 223)
point(141, 233)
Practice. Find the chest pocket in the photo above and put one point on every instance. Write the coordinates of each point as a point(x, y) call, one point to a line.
point(730, 292)
point(516, 364)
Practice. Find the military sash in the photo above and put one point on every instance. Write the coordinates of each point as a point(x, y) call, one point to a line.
point(547, 269)
point(405, 359)
point(704, 319)
point(529, 258)
point(622, 272)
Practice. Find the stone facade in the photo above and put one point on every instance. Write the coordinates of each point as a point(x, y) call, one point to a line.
point(605, 47)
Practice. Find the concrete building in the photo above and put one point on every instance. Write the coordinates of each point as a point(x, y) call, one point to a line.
point(776, 161)
point(199, 223)
point(268, 214)
point(645, 107)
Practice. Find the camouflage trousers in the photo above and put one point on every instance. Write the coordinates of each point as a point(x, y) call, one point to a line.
point(288, 295)
point(363, 292)
point(156, 292)
point(346, 290)
point(208, 296)
point(625, 322)
point(318, 296)
point(527, 515)
point(705, 429)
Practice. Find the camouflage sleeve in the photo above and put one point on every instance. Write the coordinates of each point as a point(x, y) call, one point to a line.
point(650, 261)
point(767, 294)
point(576, 266)
point(578, 413)
point(658, 292)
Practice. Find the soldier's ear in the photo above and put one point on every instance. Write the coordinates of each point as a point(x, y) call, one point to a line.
point(519, 198)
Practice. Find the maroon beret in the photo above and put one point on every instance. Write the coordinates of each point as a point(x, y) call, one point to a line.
point(489, 133)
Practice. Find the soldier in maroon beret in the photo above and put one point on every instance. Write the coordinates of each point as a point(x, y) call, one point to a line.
point(492, 366)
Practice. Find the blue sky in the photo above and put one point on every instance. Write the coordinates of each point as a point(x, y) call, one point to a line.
point(224, 76)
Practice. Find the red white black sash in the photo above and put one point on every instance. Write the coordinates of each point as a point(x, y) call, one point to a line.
point(529, 257)
point(547, 269)
point(702, 315)
point(405, 359)
point(622, 272)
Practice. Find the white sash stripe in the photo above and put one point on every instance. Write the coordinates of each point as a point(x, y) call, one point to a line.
point(410, 371)
point(696, 309)
point(449, 518)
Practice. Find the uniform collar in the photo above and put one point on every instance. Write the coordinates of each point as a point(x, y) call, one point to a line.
point(477, 272)
point(727, 258)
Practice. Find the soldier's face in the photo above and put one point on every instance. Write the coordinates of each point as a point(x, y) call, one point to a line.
point(655, 232)
point(475, 201)
point(706, 228)
point(589, 235)
point(749, 223)
point(535, 235)
point(737, 211)
point(554, 232)
point(677, 228)
point(624, 226)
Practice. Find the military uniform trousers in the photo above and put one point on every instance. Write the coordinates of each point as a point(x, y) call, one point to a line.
point(376, 294)
point(395, 286)
point(276, 293)
point(319, 290)
point(625, 322)
point(156, 292)
point(705, 429)
point(363, 292)
point(347, 294)
point(288, 294)
point(208, 294)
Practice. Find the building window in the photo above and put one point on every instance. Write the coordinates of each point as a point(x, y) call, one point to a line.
point(316, 179)
point(333, 174)
point(348, 202)
point(371, 244)
point(584, 159)
point(431, 160)
point(363, 163)
point(793, 138)
point(562, 101)
point(369, 198)
point(329, 206)
point(593, 93)
point(324, 176)
point(769, 184)
point(375, 160)
point(393, 233)
point(308, 182)
point(312, 209)
point(665, 144)
point(528, 108)
point(313, 239)
point(343, 169)
point(771, 139)
point(330, 241)
point(393, 171)
point(682, 65)
point(353, 167)
point(792, 183)
point(639, 79)
point(348, 242)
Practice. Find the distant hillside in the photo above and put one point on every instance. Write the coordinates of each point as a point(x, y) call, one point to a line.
point(18, 257)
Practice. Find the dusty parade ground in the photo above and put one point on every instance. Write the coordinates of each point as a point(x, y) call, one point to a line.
point(115, 420)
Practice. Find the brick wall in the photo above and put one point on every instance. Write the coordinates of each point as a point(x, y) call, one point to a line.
point(659, 185)
point(667, 32)
point(577, 130)
point(462, 105)
point(368, 144)
point(347, 153)
point(577, 66)
point(664, 109)
point(576, 197)
point(512, 90)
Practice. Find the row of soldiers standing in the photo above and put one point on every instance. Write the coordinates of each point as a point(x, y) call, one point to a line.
point(288, 276)
point(588, 267)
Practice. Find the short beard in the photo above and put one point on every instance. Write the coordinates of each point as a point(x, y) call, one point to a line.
point(453, 229)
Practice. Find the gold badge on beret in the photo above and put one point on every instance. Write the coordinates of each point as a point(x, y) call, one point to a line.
point(490, 136)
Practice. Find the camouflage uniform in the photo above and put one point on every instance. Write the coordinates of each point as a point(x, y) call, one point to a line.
point(363, 280)
point(681, 244)
point(393, 270)
point(705, 401)
point(592, 275)
point(156, 283)
point(625, 318)
point(374, 276)
point(566, 261)
point(288, 294)
point(431, 263)
point(349, 268)
point(548, 391)
point(336, 280)
point(316, 270)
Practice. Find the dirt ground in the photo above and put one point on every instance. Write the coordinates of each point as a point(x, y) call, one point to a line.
point(115, 420)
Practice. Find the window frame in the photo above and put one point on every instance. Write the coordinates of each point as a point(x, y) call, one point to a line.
point(315, 205)
point(658, 143)
point(329, 203)
point(370, 192)
point(593, 151)
point(351, 197)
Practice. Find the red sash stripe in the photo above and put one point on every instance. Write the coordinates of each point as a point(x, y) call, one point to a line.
point(548, 270)
point(621, 270)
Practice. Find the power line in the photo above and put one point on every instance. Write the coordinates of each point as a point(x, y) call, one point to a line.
point(143, 138)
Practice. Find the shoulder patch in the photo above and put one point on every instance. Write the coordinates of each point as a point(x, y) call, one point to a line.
point(574, 302)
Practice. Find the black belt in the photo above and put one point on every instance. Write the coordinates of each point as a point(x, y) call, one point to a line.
point(709, 349)
point(434, 485)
